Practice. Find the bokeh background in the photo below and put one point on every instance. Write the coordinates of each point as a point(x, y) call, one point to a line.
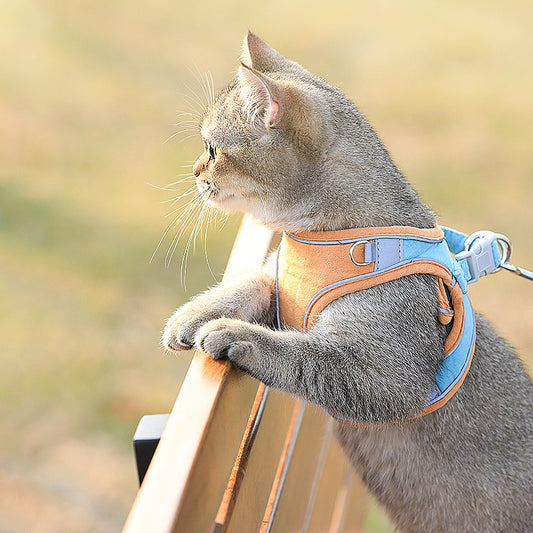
point(89, 93)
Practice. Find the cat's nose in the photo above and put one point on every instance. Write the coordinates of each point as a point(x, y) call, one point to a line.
point(196, 169)
point(198, 166)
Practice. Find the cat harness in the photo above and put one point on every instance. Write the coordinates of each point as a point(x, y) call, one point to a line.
point(315, 268)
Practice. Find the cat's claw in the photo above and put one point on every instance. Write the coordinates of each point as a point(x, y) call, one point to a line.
point(177, 344)
point(182, 327)
point(177, 337)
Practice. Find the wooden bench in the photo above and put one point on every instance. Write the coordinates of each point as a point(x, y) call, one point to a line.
point(236, 456)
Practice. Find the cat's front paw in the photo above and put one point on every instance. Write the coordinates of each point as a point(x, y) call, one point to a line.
point(226, 338)
point(182, 327)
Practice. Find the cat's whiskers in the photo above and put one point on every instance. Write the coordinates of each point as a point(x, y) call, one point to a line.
point(183, 220)
point(191, 241)
point(173, 223)
point(169, 187)
point(203, 81)
point(193, 133)
point(210, 212)
point(182, 195)
point(187, 211)
point(173, 201)
point(182, 178)
point(191, 216)
point(224, 218)
point(211, 85)
point(194, 101)
point(185, 126)
point(190, 122)
point(193, 114)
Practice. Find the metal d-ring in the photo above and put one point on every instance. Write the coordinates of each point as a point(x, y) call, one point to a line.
point(506, 248)
point(354, 245)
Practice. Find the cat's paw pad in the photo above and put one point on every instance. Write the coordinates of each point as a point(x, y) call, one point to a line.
point(225, 338)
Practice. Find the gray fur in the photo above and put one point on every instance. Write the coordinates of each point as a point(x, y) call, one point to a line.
point(372, 355)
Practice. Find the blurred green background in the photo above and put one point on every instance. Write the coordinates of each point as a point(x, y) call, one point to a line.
point(88, 95)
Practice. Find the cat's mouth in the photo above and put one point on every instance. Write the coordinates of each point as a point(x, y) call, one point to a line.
point(208, 189)
point(211, 192)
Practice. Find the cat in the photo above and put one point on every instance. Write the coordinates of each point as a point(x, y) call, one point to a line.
point(287, 147)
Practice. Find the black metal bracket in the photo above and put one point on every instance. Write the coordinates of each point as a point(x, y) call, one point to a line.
point(146, 439)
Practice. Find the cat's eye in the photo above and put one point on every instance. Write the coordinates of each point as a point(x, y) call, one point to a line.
point(213, 152)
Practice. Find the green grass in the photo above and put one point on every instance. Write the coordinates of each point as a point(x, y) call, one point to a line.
point(88, 93)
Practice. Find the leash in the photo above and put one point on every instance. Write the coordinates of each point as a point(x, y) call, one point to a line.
point(505, 243)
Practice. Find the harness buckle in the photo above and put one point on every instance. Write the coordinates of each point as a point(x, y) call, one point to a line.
point(484, 253)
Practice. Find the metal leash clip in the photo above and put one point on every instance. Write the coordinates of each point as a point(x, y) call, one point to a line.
point(519, 271)
point(480, 258)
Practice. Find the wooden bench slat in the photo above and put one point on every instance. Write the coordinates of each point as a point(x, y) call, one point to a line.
point(348, 515)
point(336, 465)
point(250, 249)
point(283, 466)
point(355, 506)
point(262, 464)
point(341, 501)
point(240, 466)
point(319, 477)
point(215, 458)
point(290, 514)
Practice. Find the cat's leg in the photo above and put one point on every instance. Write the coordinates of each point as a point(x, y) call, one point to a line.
point(300, 364)
point(355, 369)
point(371, 355)
point(248, 298)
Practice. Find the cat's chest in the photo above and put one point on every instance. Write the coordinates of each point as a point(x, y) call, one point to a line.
point(381, 453)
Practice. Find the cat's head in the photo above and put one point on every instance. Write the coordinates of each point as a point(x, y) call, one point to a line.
point(289, 148)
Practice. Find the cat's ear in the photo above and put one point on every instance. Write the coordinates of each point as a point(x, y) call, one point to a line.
point(262, 97)
point(261, 56)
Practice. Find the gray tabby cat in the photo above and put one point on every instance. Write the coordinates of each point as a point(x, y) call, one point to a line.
point(284, 145)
